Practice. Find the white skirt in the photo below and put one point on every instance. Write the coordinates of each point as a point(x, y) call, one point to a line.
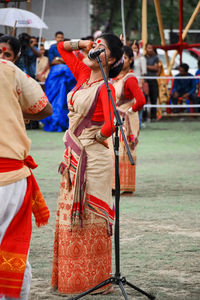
point(11, 199)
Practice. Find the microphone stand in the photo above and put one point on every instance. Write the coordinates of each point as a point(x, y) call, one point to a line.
point(116, 278)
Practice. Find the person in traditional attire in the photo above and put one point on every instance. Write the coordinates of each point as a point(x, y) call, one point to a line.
point(21, 98)
point(42, 66)
point(130, 100)
point(82, 246)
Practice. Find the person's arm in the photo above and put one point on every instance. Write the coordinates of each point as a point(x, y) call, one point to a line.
point(155, 66)
point(108, 112)
point(36, 52)
point(32, 99)
point(175, 85)
point(77, 67)
point(108, 116)
point(57, 61)
point(132, 89)
point(193, 86)
point(44, 113)
point(50, 55)
point(143, 65)
point(197, 80)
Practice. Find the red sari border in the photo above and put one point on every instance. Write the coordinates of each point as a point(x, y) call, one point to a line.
point(101, 208)
point(16, 241)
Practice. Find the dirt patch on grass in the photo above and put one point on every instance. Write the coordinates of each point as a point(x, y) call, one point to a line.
point(159, 224)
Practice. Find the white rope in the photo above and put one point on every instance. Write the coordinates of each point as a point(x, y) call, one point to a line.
point(171, 105)
point(168, 77)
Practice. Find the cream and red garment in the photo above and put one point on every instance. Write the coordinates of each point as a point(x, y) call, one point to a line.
point(18, 93)
point(15, 244)
point(82, 246)
point(129, 95)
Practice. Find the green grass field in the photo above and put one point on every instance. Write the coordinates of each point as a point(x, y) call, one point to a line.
point(160, 236)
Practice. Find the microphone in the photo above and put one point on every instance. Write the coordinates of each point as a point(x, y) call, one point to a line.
point(94, 53)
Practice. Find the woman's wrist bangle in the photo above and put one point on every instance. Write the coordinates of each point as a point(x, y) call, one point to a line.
point(74, 44)
point(100, 137)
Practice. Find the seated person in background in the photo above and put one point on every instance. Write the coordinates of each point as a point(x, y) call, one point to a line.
point(43, 65)
point(54, 56)
point(184, 88)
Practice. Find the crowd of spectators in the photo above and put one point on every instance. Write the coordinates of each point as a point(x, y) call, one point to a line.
point(38, 62)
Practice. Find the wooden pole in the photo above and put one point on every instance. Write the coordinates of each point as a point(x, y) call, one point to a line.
point(180, 27)
point(189, 24)
point(160, 25)
point(144, 24)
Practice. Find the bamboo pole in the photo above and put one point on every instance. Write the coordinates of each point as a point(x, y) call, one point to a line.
point(189, 24)
point(18, 3)
point(144, 24)
point(160, 25)
point(13, 33)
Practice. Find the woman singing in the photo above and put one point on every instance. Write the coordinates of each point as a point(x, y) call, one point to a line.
point(130, 100)
point(82, 246)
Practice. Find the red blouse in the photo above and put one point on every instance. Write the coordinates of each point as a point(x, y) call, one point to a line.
point(81, 73)
point(132, 90)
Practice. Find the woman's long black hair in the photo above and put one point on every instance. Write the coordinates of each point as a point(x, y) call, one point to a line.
point(116, 51)
point(129, 52)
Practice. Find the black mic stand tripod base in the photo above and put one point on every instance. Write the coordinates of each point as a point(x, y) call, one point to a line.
point(116, 278)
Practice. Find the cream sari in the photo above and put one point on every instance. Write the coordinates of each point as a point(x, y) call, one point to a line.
point(82, 247)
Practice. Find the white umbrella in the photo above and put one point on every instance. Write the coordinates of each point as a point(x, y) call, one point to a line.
point(23, 18)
